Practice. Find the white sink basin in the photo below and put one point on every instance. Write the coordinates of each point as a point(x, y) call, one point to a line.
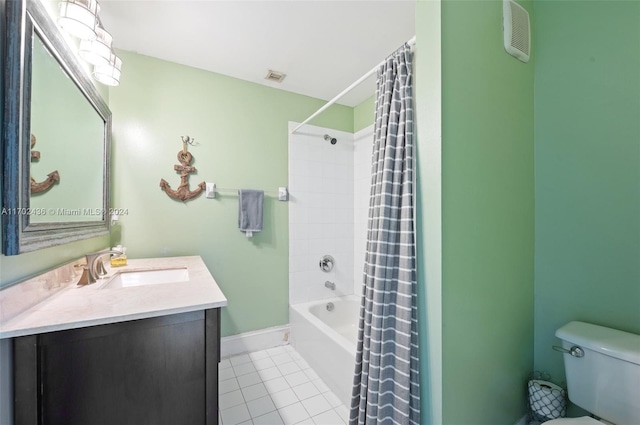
point(147, 277)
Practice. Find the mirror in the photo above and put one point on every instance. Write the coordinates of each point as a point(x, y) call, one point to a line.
point(57, 131)
point(78, 185)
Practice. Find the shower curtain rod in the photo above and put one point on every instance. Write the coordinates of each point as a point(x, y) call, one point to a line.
point(411, 42)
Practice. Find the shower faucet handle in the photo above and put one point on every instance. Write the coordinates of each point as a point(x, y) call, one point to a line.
point(326, 263)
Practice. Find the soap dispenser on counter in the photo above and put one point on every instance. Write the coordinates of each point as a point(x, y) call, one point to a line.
point(119, 260)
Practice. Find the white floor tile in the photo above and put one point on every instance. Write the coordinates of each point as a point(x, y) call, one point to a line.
point(327, 418)
point(293, 414)
point(288, 368)
point(244, 368)
point(276, 385)
point(282, 358)
point(230, 399)
point(343, 412)
point(257, 355)
point(310, 373)
point(295, 355)
point(303, 364)
point(284, 398)
point(333, 399)
point(225, 374)
point(276, 350)
point(228, 385)
point(254, 392)
point(240, 359)
point(306, 390)
point(272, 418)
point(261, 364)
point(296, 378)
point(235, 415)
point(249, 379)
point(269, 373)
point(260, 406)
point(306, 422)
point(320, 385)
point(316, 405)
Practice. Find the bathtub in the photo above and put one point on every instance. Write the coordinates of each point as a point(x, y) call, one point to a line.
point(327, 340)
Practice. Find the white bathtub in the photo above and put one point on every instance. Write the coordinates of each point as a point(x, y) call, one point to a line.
point(327, 340)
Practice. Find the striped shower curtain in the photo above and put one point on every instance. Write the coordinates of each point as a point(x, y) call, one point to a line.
point(386, 383)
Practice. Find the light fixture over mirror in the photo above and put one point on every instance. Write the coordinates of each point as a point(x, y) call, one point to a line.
point(97, 51)
point(109, 74)
point(79, 18)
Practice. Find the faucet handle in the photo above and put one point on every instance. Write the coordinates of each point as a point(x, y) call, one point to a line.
point(84, 279)
point(326, 263)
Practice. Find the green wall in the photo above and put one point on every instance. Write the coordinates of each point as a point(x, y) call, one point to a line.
point(587, 138)
point(487, 217)
point(241, 131)
point(364, 114)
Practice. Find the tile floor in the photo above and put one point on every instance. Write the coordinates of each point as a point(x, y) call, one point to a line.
point(273, 387)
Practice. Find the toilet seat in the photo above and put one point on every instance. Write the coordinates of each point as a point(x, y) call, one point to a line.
point(583, 420)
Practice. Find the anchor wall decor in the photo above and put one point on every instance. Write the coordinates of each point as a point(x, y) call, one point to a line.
point(185, 158)
point(52, 177)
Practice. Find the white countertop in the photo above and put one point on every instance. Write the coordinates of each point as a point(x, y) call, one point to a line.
point(90, 305)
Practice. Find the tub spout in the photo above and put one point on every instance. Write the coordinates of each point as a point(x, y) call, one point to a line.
point(330, 285)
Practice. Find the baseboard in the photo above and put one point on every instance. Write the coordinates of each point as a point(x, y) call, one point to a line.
point(254, 341)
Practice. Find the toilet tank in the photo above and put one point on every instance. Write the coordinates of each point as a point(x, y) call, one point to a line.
point(606, 380)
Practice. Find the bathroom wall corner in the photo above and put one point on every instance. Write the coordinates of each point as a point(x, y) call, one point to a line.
point(487, 216)
point(428, 106)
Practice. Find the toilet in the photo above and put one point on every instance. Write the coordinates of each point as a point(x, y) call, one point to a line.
point(603, 374)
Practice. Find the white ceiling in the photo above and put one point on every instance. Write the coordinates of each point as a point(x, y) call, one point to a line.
point(322, 45)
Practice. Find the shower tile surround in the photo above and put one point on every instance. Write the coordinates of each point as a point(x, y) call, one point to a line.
point(320, 213)
point(275, 386)
point(362, 150)
point(329, 187)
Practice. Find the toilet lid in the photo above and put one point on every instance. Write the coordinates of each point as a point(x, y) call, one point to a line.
point(584, 420)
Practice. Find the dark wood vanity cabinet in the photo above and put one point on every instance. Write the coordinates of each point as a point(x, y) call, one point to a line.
point(161, 370)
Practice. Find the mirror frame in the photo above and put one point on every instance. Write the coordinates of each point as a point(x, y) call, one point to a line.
point(25, 19)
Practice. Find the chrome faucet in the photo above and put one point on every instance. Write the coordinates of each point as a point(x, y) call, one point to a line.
point(95, 267)
point(330, 285)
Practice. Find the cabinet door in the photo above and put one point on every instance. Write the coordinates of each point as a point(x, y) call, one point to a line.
point(149, 371)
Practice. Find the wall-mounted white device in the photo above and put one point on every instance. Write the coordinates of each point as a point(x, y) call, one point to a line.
point(210, 190)
point(517, 30)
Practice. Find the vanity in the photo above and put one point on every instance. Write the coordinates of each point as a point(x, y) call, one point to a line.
point(140, 346)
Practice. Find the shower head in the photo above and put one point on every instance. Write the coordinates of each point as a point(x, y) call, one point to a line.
point(328, 138)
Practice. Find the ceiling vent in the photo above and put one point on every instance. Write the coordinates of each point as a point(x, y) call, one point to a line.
point(275, 76)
